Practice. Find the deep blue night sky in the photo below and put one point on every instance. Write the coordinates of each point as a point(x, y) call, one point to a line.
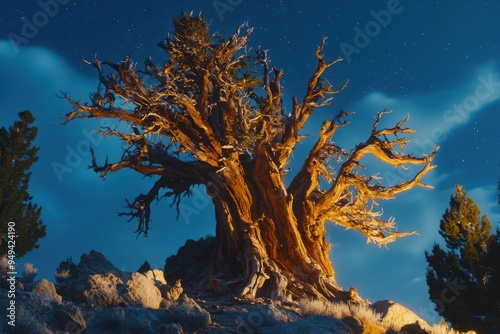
point(438, 61)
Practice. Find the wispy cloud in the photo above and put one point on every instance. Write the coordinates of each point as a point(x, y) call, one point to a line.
point(418, 279)
point(435, 115)
point(32, 78)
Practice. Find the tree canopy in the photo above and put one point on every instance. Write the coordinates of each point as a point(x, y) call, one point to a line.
point(17, 155)
point(464, 278)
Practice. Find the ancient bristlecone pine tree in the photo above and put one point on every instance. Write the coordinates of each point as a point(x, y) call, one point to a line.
point(214, 117)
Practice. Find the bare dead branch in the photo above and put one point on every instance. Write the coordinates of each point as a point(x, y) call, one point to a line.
point(317, 90)
point(351, 198)
point(140, 207)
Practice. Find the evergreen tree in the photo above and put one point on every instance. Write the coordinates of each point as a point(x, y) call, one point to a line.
point(17, 154)
point(464, 279)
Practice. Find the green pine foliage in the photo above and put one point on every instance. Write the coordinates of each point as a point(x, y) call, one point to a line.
point(463, 278)
point(17, 154)
point(195, 50)
point(192, 37)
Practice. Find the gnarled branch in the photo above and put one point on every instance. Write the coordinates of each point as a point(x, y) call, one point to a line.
point(316, 92)
point(351, 199)
point(316, 163)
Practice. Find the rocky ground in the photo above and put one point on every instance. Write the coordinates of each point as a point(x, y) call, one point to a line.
point(95, 297)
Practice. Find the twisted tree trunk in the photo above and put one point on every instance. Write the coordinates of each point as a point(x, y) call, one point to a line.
point(264, 246)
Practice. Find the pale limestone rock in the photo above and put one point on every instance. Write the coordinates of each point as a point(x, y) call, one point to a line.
point(174, 292)
point(156, 276)
point(397, 315)
point(103, 290)
point(46, 290)
point(141, 291)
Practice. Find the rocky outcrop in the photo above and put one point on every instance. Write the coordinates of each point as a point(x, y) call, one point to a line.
point(397, 316)
point(89, 298)
point(100, 290)
point(156, 276)
point(173, 292)
point(95, 263)
point(98, 283)
point(141, 291)
point(170, 292)
point(40, 311)
point(191, 262)
point(188, 314)
point(70, 318)
point(46, 290)
point(77, 282)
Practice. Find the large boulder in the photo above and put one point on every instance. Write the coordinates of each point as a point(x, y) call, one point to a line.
point(414, 328)
point(47, 291)
point(102, 290)
point(397, 316)
point(156, 276)
point(191, 262)
point(316, 324)
point(354, 324)
point(141, 291)
point(188, 314)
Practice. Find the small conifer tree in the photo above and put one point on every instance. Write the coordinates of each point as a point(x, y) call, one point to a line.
point(17, 154)
point(463, 280)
